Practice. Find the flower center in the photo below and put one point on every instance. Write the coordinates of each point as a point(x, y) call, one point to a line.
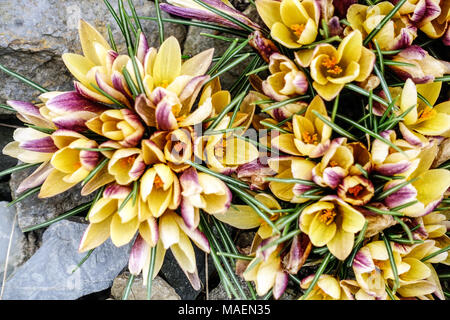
point(127, 162)
point(333, 163)
point(332, 65)
point(354, 191)
point(298, 29)
point(310, 138)
point(426, 113)
point(158, 183)
point(327, 216)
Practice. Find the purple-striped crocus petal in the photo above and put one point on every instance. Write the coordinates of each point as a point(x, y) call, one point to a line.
point(333, 176)
point(154, 228)
point(138, 167)
point(404, 195)
point(403, 249)
point(389, 169)
point(142, 48)
point(110, 58)
point(298, 253)
point(195, 235)
point(116, 94)
point(44, 145)
point(138, 256)
point(281, 282)
point(188, 213)
point(341, 6)
point(264, 46)
point(411, 137)
point(89, 159)
point(119, 83)
point(413, 52)
point(420, 233)
point(363, 262)
point(72, 102)
point(165, 119)
point(145, 110)
point(75, 121)
point(300, 83)
point(320, 149)
point(190, 184)
point(158, 95)
point(191, 91)
point(334, 26)
point(267, 252)
point(116, 191)
point(405, 38)
point(255, 172)
point(219, 4)
point(25, 108)
point(402, 74)
point(299, 189)
point(431, 206)
point(36, 178)
point(132, 119)
point(194, 280)
point(424, 12)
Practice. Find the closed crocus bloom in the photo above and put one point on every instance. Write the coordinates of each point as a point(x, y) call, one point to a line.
point(356, 190)
point(423, 119)
point(311, 136)
point(175, 235)
point(397, 33)
point(286, 80)
point(30, 113)
point(126, 165)
point(202, 191)
point(421, 67)
point(69, 110)
point(331, 69)
point(362, 158)
point(335, 164)
point(266, 270)
point(428, 189)
point(121, 125)
point(292, 23)
point(326, 288)
point(333, 223)
point(435, 224)
point(291, 168)
point(71, 163)
point(160, 189)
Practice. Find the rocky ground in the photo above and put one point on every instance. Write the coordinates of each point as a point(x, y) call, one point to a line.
point(40, 264)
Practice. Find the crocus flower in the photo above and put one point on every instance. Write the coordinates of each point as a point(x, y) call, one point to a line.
point(266, 270)
point(351, 290)
point(397, 33)
point(311, 136)
point(191, 10)
point(30, 113)
point(331, 69)
point(326, 288)
point(126, 165)
point(121, 125)
point(291, 168)
point(333, 223)
point(175, 235)
point(286, 80)
point(292, 23)
point(425, 68)
point(69, 110)
point(356, 190)
point(335, 164)
point(428, 190)
point(202, 191)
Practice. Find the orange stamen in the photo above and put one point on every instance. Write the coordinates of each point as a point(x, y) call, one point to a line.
point(333, 163)
point(158, 183)
point(426, 113)
point(128, 161)
point(327, 216)
point(331, 65)
point(310, 138)
point(355, 190)
point(298, 29)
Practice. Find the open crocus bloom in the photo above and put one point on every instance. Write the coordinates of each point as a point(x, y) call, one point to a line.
point(335, 164)
point(291, 168)
point(425, 67)
point(428, 190)
point(292, 23)
point(311, 136)
point(356, 190)
point(326, 288)
point(121, 125)
point(397, 33)
point(333, 223)
point(202, 191)
point(423, 118)
point(126, 165)
point(286, 80)
point(331, 69)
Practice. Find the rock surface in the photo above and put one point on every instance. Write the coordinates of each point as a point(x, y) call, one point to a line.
point(32, 41)
point(161, 290)
point(32, 210)
point(47, 275)
point(16, 254)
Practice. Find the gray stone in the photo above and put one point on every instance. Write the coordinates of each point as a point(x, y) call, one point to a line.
point(33, 40)
point(47, 275)
point(16, 244)
point(161, 290)
point(32, 210)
